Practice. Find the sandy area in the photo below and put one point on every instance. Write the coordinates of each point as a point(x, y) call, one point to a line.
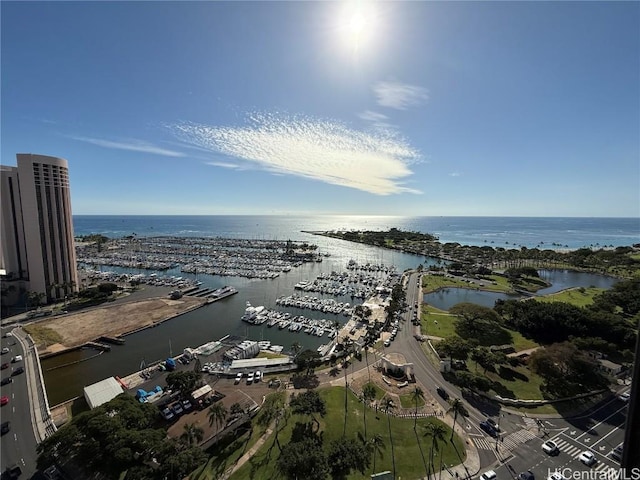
point(112, 320)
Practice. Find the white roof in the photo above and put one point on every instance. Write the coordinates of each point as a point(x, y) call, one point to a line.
point(101, 392)
point(259, 362)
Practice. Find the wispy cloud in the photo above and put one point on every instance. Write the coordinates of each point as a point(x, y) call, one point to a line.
point(131, 145)
point(455, 174)
point(376, 119)
point(224, 165)
point(372, 116)
point(399, 95)
point(323, 150)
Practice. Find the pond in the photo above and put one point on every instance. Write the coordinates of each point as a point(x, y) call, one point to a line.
point(446, 298)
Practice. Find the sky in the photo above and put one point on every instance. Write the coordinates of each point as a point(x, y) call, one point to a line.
point(334, 107)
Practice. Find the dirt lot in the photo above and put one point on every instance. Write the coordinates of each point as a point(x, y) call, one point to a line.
point(110, 320)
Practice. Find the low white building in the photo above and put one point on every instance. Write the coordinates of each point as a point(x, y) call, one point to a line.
point(102, 392)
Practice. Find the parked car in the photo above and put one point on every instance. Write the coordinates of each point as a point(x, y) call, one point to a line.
point(5, 427)
point(550, 448)
point(167, 413)
point(5, 350)
point(4, 400)
point(588, 458)
point(488, 475)
point(238, 378)
point(250, 378)
point(6, 381)
point(17, 358)
point(624, 396)
point(186, 405)
point(17, 371)
point(258, 376)
point(387, 343)
point(177, 409)
point(5, 365)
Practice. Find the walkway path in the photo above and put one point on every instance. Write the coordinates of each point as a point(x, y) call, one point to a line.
point(249, 453)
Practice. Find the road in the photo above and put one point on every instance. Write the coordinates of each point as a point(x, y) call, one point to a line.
point(598, 432)
point(18, 446)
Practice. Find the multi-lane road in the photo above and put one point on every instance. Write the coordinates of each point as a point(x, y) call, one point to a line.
point(18, 445)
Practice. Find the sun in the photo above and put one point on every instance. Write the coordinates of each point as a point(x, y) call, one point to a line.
point(357, 25)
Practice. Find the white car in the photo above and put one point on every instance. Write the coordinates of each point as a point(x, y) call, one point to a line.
point(488, 475)
point(238, 378)
point(587, 458)
point(551, 448)
point(258, 376)
point(624, 396)
point(555, 476)
point(250, 378)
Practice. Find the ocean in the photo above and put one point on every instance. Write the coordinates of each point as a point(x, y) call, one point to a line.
point(506, 232)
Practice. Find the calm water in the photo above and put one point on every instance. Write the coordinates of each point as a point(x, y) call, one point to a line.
point(214, 321)
point(499, 231)
point(559, 279)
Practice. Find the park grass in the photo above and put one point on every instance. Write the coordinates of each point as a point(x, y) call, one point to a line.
point(407, 401)
point(379, 391)
point(580, 297)
point(515, 382)
point(43, 335)
point(407, 453)
point(264, 354)
point(438, 323)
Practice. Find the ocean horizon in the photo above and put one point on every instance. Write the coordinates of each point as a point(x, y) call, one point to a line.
point(505, 232)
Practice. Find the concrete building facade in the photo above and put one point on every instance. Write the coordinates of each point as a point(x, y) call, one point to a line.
point(37, 226)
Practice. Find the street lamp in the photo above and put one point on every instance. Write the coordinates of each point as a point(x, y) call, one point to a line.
point(498, 432)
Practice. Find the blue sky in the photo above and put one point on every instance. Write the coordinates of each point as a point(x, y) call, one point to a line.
point(390, 108)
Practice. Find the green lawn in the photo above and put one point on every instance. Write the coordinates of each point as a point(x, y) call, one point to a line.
point(407, 453)
point(515, 382)
point(440, 324)
point(580, 297)
point(379, 392)
point(407, 401)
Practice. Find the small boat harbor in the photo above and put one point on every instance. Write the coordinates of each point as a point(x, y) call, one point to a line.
point(294, 323)
point(262, 259)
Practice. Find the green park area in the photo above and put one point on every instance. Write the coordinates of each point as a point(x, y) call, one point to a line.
point(409, 446)
point(580, 297)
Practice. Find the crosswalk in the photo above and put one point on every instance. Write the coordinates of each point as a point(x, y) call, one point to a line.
point(604, 470)
point(508, 442)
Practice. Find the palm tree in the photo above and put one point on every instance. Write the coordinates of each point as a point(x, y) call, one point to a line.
point(437, 432)
point(192, 434)
point(457, 407)
point(295, 349)
point(416, 395)
point(388, 406)
point(376, 443)
point(368, 394)
point(217, 414)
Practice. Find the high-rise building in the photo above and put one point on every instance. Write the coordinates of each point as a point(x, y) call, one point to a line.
point(37, 242)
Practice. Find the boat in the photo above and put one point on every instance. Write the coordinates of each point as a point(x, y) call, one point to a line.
point(251, 313)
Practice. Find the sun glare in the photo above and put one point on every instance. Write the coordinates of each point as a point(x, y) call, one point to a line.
point(357, 25)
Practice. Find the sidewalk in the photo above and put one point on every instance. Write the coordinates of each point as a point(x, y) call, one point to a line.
point(41, 420)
